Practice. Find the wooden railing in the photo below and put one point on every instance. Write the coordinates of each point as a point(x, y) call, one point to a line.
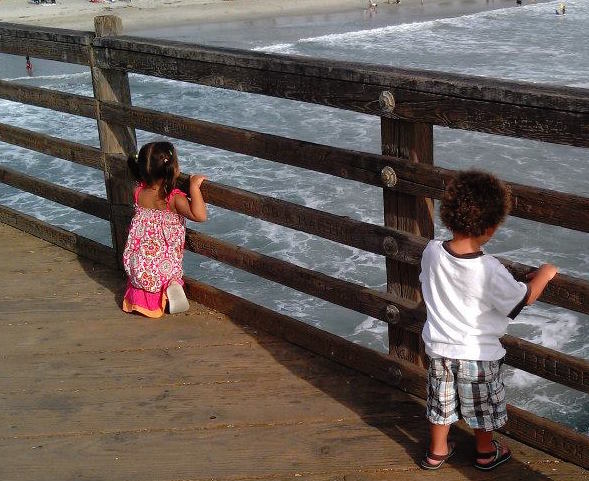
point(409, 103)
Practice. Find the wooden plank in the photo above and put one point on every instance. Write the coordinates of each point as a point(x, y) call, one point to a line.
point(257, 453)
point(88, 203)
point(67, 327)
point(471, 103)
point(49, 99)
point(553, 365)
point(566, 291)
point(68, 240)
point(113, 86)
point(547, 363)
point(343, 293)
point(530, 429)
point(413, 214)
point(212, 406)
point(54, 146)
point(49, 34)
point(48, 50)
point(337, 228)
point(49, 43)
point(135, 367)
point(451, 84)
point(541, 205)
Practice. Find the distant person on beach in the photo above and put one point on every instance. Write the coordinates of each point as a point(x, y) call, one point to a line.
point(29, 66)
point(371, 9)
point(470, 298)
point(155, 247)
point(561, 9)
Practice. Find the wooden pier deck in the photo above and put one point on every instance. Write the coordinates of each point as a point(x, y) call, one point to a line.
point(91, 393)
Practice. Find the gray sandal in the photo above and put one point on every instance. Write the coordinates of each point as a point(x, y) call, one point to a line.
point(497, 458)
point(177, 301)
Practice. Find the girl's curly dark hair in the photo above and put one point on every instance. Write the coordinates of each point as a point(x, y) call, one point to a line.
point(474, 201)
point(156, 161)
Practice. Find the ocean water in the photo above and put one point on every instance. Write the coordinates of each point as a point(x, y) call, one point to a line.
point(528, 43)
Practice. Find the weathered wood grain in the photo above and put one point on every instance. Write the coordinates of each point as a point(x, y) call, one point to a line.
point(509, 108)
point(566, 291)
point(530, 429)
point(203, 406)
point(88, 203)
point(54, 146)
point(541, 205)
point(413, 142)
point(556, 366)
point(541, 361)
point(113, 86)
point(343, 293)
point(337, 228)
point(82, 406)
point(49, 99)
point(68, 240)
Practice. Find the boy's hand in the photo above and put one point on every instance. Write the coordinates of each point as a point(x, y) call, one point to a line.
point(196, 181)
point(546, 270)
point(539, 279)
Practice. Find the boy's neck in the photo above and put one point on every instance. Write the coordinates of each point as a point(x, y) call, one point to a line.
point(465, 244)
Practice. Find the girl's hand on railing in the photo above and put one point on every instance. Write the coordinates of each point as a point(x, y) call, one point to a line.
point(196, 181)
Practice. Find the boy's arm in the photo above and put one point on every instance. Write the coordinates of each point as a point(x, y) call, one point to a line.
point(538, 281)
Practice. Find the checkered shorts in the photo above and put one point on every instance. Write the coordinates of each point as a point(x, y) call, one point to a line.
point(472, 390)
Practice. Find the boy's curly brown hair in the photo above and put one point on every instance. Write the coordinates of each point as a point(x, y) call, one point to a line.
point(474, 201)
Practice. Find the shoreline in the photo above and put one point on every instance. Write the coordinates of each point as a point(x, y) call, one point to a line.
point(141, 15)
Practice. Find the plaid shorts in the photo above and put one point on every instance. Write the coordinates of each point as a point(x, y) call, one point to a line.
point(472, 390)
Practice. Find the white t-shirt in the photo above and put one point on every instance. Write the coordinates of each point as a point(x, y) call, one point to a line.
point(469, 300)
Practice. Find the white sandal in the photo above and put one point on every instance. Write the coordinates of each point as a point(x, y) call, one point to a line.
point(177, 301)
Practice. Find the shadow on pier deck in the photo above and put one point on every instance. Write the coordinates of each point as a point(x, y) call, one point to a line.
point(89, 392)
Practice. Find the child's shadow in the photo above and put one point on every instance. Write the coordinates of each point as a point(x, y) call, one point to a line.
point(396, 414)
point(107, 278)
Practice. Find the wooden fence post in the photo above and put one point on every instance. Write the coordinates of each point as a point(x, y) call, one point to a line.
point(414, 142)
point(113, 86)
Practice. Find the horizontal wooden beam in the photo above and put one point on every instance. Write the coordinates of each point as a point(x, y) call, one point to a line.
point(526, 427)
point(544, 113)
point(538, 360)
point(70, 241)
point(54, 146)
point(542, 205)
point(564, 291)
point(547, 363)
point(380, 305)
point(87, 203)
point(58, 44)
point(381, 240)
point(49, 99)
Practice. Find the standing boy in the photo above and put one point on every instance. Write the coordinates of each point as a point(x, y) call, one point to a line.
point(470, 297)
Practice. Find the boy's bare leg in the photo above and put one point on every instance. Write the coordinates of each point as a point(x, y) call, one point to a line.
point(438, 440)
point(484, 444)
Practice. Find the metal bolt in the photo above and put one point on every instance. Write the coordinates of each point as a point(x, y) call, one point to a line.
point(392, 314)
point(386, 101)
point(388, 176)
point(390, 246)
point(395, 376)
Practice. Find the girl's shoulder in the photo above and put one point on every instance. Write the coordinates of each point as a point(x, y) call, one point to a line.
point(139, 186)
point(174, 193)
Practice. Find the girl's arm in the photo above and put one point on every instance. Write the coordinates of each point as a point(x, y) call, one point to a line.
point(196, 209)
point(538, 281)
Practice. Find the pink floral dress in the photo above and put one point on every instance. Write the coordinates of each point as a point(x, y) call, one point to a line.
point(153, 256)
